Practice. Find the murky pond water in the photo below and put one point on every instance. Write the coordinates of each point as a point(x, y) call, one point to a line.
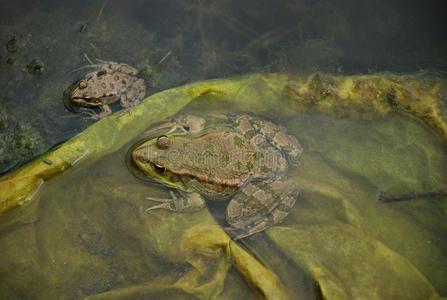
point(87, 233)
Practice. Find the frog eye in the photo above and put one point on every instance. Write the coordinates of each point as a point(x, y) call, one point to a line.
point(162, 142)
point(159, 168)
point(82, 84)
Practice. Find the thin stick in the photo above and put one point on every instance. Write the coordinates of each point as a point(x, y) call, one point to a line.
point(100, 11)
point(87, 58)
point(410, 196)
point(93, 47)
point(164, 57)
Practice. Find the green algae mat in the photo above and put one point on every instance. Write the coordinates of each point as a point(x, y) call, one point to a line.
point(74, 223)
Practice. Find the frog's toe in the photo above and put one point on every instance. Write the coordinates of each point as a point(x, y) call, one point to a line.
point(90, 115)
point(162, 199)
point(186, 203)
point(125, 111)
point(190, 123)
point(239, 233)
point(166, 205)
point(236, 233)
point(275, 217)
point(94, 118)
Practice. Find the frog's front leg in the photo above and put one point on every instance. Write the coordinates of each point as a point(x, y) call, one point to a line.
point(105, 111)
point(191, 123)
point(92, 115)
point(183, 123)
point(259, 206)
point(188, 202)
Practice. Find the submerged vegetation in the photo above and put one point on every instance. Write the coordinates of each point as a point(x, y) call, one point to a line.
point(19, 141)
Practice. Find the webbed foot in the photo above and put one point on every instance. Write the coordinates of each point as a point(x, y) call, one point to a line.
point(189, 203)
point(127, 110)
point(91, 114)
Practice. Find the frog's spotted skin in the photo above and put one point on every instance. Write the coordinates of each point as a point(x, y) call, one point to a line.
point(114, 81)
point(244, 160)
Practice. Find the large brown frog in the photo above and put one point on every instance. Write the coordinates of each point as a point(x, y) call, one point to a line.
point(244, 160)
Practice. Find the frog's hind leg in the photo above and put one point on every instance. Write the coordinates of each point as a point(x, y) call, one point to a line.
point(133, 96)
point(259, 206)
point(260, 131)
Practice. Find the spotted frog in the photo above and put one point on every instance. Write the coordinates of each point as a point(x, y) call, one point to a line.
point(113, 81)
point(244, 160)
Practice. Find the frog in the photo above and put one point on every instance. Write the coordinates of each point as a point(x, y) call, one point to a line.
point(110, 82)
point(242, 159)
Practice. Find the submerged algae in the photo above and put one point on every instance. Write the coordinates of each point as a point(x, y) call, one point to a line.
point(370, 96)
point(19, 141)
point(107, 236)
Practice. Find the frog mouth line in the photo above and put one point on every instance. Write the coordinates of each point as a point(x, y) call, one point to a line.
point(90, 101)
point(86, 98)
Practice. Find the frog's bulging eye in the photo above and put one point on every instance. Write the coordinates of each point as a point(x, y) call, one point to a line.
point(159, 168)
point(162, 142)
point(82, 85)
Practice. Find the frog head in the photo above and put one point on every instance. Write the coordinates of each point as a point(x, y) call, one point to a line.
point(87, 94)
point(159, 159)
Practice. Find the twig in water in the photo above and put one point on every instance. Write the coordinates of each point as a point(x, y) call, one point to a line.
point(410, 196)
point(93, 47)
point(100, 11)
point(88, 59)
point(164, 57)
point(83, 28)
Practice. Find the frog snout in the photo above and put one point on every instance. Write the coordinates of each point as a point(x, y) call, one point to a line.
point(140, 154)
point(145, 153)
